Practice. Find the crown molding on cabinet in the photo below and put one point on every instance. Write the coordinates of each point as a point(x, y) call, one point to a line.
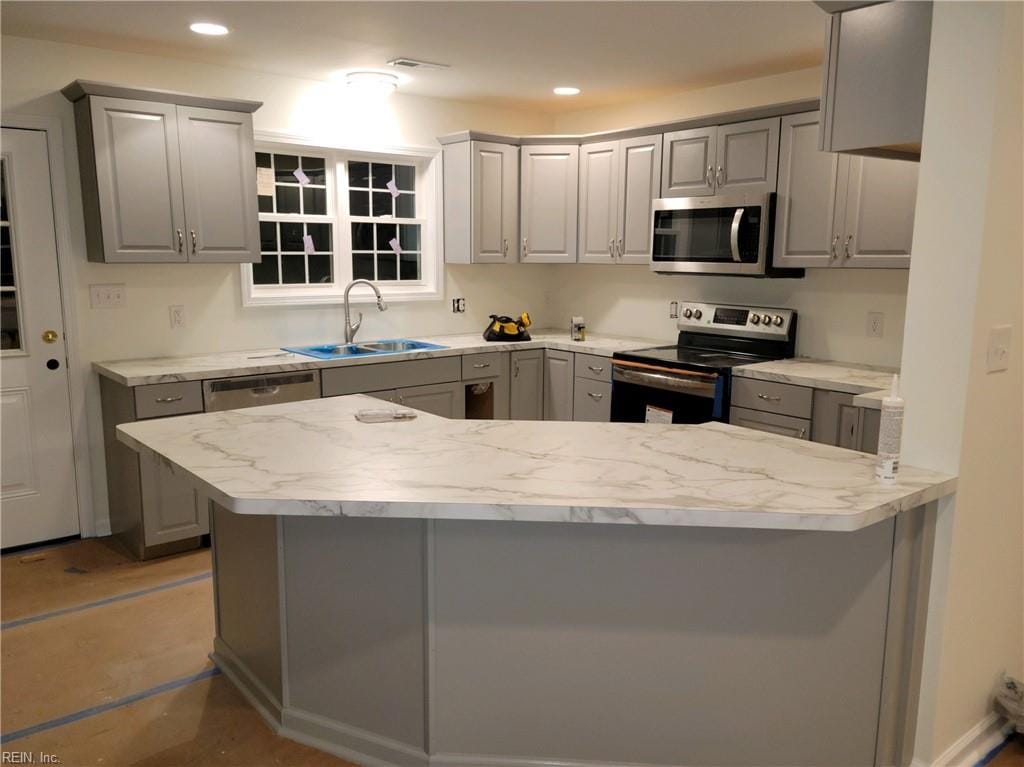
point(79, 89)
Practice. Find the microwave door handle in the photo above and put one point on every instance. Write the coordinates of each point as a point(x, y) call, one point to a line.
point(734, 235)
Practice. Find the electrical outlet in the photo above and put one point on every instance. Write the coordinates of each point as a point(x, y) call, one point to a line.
point(997, 357)
point(107, 296)
point(458, 305)
point(876, 324)
point(177, 314)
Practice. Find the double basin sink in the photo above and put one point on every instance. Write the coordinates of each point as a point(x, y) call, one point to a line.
point(368, 349)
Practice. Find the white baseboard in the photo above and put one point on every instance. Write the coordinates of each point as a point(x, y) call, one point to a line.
point(971, 747)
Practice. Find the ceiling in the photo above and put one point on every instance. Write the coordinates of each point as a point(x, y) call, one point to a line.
point(508, 53)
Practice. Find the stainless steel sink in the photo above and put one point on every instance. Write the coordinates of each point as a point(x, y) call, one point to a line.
point(394, 346)
point(342, 351)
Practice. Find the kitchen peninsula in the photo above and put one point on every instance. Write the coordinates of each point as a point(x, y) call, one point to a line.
point(449, 592)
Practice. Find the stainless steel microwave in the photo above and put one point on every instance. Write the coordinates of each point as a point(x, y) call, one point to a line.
point(723, 234)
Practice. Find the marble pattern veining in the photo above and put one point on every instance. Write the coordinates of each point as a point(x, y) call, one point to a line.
point(846, 377)
point(872, 399)
point(314, 458)
point(263, 361)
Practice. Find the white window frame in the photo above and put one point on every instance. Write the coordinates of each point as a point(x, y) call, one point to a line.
point(429, 209)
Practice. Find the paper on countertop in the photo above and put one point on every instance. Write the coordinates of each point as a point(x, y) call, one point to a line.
point(302, 177)
point(265, 181)
point(393, 188)
point(307, 243)
point(393, 242)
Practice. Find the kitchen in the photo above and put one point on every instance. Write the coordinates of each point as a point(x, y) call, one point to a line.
point(168, 339)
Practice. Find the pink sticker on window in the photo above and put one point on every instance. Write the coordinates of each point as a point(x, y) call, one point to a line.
point(394, 245)
point(302, 177)
point(307, 243)
point(392, 188)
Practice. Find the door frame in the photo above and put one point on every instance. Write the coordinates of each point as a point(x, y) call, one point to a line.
point(52, 127)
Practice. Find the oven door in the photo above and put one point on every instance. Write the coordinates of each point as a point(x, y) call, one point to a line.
point(647, 394)
point(727, 234)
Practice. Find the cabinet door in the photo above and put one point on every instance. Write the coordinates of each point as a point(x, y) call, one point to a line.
point(880, 201)
point(550, 179)
point(639, 182)
point(836, 420)
point(558, 385)
point(747, 156)
point(495, 203)
point(446, 400)
point(599, 202)
point(808, 217)
point(219, 177)
point(688, 161)
point(171, 508)
point(138, 181)
point(592, 401)
point(526, 391)
point(870, 421)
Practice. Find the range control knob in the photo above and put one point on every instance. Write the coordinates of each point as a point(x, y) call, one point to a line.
point(755, 319)
point(766, 319)
point(687, 312)
point(777, 320)
point(697, 314)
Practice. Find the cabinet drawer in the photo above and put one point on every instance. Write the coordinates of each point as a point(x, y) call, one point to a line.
point(593, 367)
point(156, 400)
point(592, 401)
point(787, 426)
point(483, 365)
point(357, 379)
point(784, 399)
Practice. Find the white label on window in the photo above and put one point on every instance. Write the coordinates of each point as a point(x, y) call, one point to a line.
point(307, 242)
point(265, 181)
point(394, 245)
point(657, 415)
point(392, 188)
point(302, 177)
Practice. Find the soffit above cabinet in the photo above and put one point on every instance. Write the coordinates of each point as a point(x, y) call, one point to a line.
point(79, 89)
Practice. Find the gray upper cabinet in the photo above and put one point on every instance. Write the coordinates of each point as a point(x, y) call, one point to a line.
point(618, 181)
point(166, 177)
point(526, 389)
point(741, 157)
point(481, 203)
point(834, 210)
point(874, 79)
point(688, 163)
point(548, 203)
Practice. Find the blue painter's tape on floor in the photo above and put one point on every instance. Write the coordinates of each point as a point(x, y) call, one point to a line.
point(7, 737)
point(100, 602)
point(994, 752)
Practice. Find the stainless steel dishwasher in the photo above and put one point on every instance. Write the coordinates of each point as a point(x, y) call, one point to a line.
point(250, 391)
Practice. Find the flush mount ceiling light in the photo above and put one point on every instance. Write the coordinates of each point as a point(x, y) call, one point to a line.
point(208, 28)
point(374, 82)
point(566, 90)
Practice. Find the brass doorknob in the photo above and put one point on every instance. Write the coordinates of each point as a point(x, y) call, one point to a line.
point(50, 336)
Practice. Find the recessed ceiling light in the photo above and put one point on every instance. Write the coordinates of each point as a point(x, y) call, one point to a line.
point(208, 28)
point(566, 90)
point(369, 81)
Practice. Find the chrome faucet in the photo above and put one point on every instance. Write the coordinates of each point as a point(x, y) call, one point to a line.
point(350, 329)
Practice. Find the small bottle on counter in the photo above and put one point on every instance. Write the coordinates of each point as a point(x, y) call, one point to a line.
point(890, 435)
point(578, 329)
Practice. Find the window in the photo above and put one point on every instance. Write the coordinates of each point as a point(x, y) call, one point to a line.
point(10, 314)
point(331, 216)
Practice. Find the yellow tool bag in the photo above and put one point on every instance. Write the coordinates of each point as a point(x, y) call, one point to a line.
point(508, 329)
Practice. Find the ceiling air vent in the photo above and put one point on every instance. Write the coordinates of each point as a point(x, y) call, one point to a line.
point(404, 63)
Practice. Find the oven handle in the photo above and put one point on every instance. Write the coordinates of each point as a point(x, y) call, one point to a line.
point(704, 386)
point(734, 234)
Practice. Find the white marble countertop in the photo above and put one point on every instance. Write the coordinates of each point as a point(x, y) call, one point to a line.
point(872, 399)
point(260, 361)
point(314, 458)
point(848, 377)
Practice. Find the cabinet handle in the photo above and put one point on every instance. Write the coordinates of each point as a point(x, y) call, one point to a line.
point(620, 248)
point(835, 241)
point(181, 240)
point(595, 395)
point(611, 248)
point(524, 246)
point(802, 433)
point(768, 397)
point(709, 177)
point(846, 245)
point(193, 231)
point(515, 368)
point(175, 398)
point(595, 369)
point(720, 176)
point(504, 247)
point(481, 365)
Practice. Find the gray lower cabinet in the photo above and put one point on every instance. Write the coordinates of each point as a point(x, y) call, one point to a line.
point(785, 425)
point(526, 385)
point(837, 421)
point(485, 381)
point(446, 400)
point(592, 400)
point(558, 385)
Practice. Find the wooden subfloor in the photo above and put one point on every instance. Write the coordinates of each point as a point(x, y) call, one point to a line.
point(114, 652)
point(1012, 754)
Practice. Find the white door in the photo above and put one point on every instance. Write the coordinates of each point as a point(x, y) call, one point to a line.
point(38, 471)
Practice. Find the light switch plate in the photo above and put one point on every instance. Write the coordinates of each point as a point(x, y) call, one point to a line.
point(107, 296)
point(997, 357)
point(876, 325)
point(177, 314)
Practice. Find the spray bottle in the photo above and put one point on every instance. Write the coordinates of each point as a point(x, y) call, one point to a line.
point(890, 435)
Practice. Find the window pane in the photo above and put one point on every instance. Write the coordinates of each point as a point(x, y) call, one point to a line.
point(321, 234)
point(284, 164)
point(3, 191)
point(293, 268)
point(362, 236)
point(266, 203)
point(409, 236)
point(382, 204)
point(385, 234)
point(287, 199)
point(382, 174)
point(359, 174)
point(362, 266)
point(410, 266)
point(314, 169)
point(268, 235)
point(265, 272)
point(405, 206)
point(291, 236)
point(263, 159)
point(10, 335)
point(359, 203)
point(387, 266)
point(6, 259)
point(314, 201)
point(319, 268)
point(405, 177)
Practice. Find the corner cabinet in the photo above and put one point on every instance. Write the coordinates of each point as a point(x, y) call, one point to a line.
point(741, 157)
point(481, 203)
point(835, 210)
point(166, 178)
point(548, 203)
point(618, 182)
point(526, 388)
